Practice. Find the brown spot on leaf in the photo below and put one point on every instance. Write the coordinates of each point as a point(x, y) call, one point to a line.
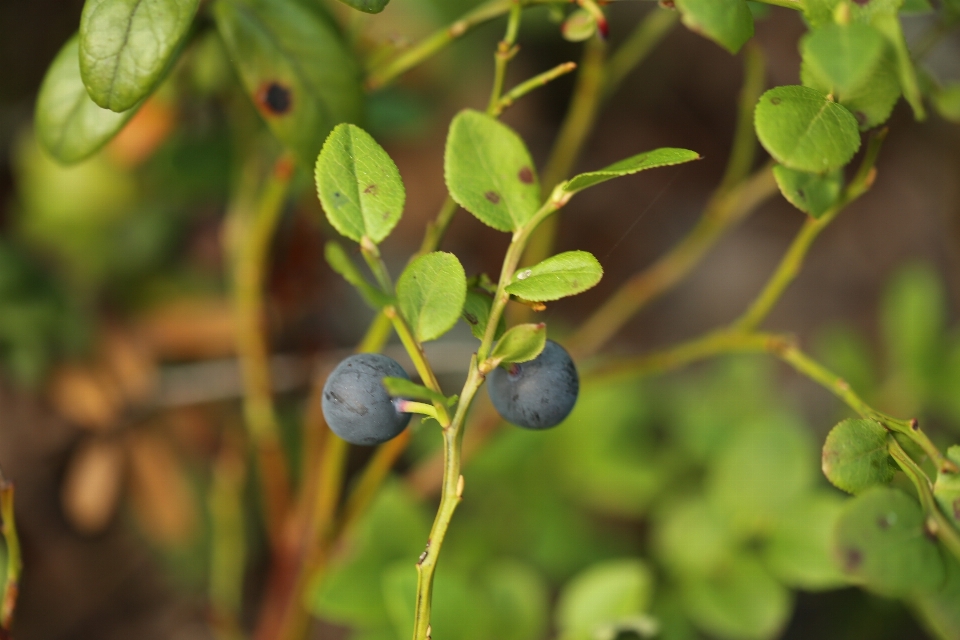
point(668, 4)
point(861, 117)
point(801, 194)
point(883, 522)
point(775, 101)
point(492, 196)
point(274, 98)
point(526, 175)
point(469, 317)
point(371, 189)
point(852, 559)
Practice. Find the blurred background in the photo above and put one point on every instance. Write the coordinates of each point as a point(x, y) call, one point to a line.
point(120, 396)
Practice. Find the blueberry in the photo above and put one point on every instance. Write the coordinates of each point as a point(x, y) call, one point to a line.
point(355, 403)
point(537, 394)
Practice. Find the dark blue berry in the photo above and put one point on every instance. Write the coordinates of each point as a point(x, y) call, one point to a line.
point(537, 394)
point(355, 403)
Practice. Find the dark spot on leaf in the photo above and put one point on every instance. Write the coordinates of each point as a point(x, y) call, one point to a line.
point(668, 4)
point(469, 317)
point(574, 283)
point(371, 189)
point(526, 175)
point(862, 3)
point(492, 196)
point(861, 117)
point(852, 559)
point(883, 522)
point(802, 195)
point(774, 101)
point(275, 98)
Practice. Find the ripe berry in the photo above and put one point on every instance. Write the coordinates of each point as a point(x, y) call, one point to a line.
point(355, 404)
point(537, 394)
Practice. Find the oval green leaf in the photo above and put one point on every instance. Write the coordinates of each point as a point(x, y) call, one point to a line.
point(489, 172)
point(562, 275)
point(359, 185)
point(69, 124)
point(947, 488)
point(803, 130)
point(663, 157)
point(403, 388)
point(799, 551)
point(843, 56)
point(741, 601)
point(888, 23)
point(367, 6)
point(431, 292)
point(881, 544)
point(340, 262)
point(521, 343)
point(855, 456)
point(476, 313)
point(295, 66)
point(873, 101)
point(603, 595)
point(580, 25)
point(812, 193)
point(126, 46)
point(729, 23)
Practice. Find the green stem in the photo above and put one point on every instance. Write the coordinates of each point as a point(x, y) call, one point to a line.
point(415, 351)
point(8, 527)
point(637, 46)
point(527, 86)
point(743, 152)
point(937, 523)
point(789, 4)
point(576, 126)
point(792, 261)
point(451, 496)
point(371, 254)
point(721, 214)
point(251, 230)
point(383, 74)
point(506, 50)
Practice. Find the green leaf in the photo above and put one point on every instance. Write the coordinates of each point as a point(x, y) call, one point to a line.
point(803, 130)
point(743, 601)
point(812, 193)
point(489, 172)
point(889, 25)
point(692, 538)
point(126, 46)
point(881, 544)
point(431, 292)
point(799, 551)
point(519, 601)
point(403, 388)
point(915, 7)
point(295, 67)
point(359, 185)
point(393, 529)
point(938, 607)
point(729, 23)
point(460, 606)
point(70, 126)
point(565, 274)
point(873, 101)
point(843, 56)
point(946, 99)
point(340, 262)
point(367, 6)
point(602, 596)
point(855, 456)
point(663, 157)
point(476, 313)
point(580, 25)
point(777, 462)
point(912, 317)
point(947, 488)
point(521, 343)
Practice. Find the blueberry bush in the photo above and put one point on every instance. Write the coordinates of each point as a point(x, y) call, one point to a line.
point(455, 527)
